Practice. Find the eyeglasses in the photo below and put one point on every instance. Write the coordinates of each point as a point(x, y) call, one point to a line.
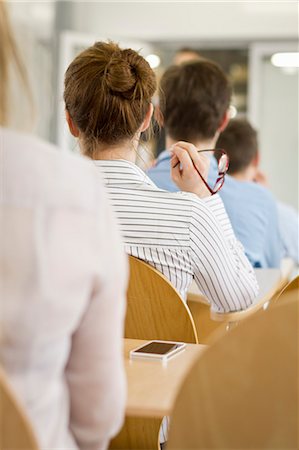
point(216, 174)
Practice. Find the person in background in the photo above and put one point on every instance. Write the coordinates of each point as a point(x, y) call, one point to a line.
point(63, 277)
point(241, 143)
point(107, 95)
point(194, 104)
point(182, 55)
point(186, 54)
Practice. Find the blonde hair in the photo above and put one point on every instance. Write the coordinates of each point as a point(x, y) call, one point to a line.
point(9, 56)
point(107, 93)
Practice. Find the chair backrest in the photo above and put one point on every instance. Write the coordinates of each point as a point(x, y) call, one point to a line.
point(242, 392)
point(15, 430)
point(205, 326)
point(292, 286)
point(155, 310)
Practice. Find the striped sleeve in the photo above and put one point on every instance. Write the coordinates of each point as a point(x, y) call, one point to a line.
point(221, 269)
point(216, 205)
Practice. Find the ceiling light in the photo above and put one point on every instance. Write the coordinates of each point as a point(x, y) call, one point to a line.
point(290, 59)
point(153, 60)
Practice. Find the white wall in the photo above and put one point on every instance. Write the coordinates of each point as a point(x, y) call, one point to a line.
point(33, 27)
point(157, 21)
point(273, 109)
point(279, 131)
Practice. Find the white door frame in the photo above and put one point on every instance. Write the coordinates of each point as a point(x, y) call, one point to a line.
point(257, 52)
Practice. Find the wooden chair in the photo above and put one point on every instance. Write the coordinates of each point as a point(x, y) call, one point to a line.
point(15, 430)
point(211, 325)
point(201, 313)
point(292, 286)
point(242, 393)
point(155, 309)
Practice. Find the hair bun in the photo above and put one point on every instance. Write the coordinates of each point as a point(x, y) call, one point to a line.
point(107, 94)
point(127, 75)
point(120, 79)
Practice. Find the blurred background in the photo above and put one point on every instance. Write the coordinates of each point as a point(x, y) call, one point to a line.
point(242, 37)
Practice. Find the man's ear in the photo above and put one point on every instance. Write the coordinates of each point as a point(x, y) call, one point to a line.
point(72, 127)
point(256, 160)
point(147, 120)
point(224, 121)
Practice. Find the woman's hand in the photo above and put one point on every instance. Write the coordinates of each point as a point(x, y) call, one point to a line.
point(183, 172)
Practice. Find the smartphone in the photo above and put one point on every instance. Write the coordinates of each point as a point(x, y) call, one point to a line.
point(161, 350)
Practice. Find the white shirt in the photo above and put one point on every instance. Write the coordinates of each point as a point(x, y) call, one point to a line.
point(63, 283)
point(182, 236)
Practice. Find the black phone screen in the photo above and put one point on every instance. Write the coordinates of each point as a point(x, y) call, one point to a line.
point(158, 348)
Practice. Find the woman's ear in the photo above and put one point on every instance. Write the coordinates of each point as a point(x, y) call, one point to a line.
point(72, 127)
point(147, 120)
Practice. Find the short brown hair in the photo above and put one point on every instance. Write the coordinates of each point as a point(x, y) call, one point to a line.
point(108, 92)
point(240, 141)
point(194, 98)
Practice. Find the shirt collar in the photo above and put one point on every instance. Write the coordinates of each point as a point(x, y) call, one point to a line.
point(164, 156)
point(120, 171)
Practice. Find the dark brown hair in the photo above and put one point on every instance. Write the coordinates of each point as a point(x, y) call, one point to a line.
point(194, 98)
point(239, 140)
point(107, 93)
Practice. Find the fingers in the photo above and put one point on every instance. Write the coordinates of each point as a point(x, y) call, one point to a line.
point(181, 163)
point(189, 168)
point(188, 154)
point(174, 161)
point(183, 149)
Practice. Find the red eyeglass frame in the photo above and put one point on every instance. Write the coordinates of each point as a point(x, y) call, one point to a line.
point(221, 174)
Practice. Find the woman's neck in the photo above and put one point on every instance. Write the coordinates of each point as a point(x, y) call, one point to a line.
point(125, 150)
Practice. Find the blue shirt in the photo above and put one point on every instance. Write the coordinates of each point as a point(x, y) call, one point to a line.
point(251, 208)
point(289, 230)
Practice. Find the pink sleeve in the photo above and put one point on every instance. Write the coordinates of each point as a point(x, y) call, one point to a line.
point(95, 371)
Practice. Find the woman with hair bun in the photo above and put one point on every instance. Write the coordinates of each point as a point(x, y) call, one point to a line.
point(186, 235)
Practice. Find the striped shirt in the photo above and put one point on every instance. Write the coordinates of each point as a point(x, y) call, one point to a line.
point(181, 235)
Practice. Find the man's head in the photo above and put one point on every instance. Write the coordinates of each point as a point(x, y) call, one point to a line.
point(239, 140)
point(194, 101)
point(185, 54)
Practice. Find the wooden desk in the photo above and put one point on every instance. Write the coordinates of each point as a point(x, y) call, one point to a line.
point(271, 281)
point(152, 389)
point(152, 386)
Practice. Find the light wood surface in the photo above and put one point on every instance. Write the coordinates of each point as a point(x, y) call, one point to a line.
point(152, 389)
point(152, 386)
point(242, 393)
point(205, 326)
point(290, 287)
point(138, 433)
point(16, 432)
point(155, 310)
